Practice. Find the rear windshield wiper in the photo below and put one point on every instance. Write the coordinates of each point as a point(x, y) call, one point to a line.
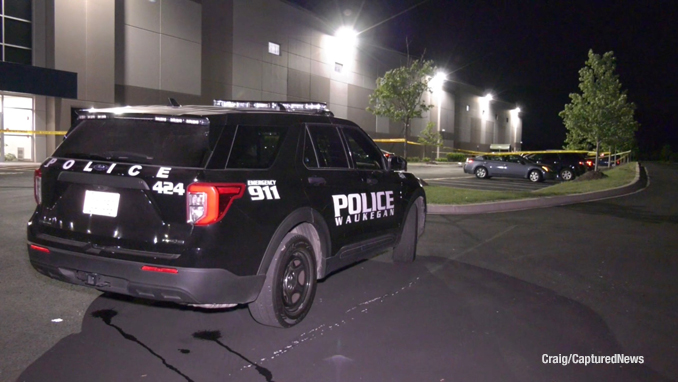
point(119, 156)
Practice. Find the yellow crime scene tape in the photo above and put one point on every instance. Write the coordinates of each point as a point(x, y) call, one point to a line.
point(472, 152)
point(396, 140)
point(35, 132)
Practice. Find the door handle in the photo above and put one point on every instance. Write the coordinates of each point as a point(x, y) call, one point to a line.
point(317, 181)
point(371, 181)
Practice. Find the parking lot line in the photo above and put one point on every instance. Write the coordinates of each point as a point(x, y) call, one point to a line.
point(494, 185)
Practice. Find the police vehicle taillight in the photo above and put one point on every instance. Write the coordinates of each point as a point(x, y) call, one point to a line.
point(37, 186)
point(207, 203)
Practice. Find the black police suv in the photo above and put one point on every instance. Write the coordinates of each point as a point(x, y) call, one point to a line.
point(213, 206)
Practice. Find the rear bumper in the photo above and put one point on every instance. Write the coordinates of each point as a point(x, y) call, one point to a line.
point(186, 286)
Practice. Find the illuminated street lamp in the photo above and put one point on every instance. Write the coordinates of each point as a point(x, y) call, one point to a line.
point(438, 80)
point(437, 86)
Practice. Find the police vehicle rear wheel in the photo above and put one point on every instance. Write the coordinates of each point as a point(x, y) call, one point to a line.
point(290, 285)
point(406, 249)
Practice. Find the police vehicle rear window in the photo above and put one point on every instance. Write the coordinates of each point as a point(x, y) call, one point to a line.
point(255, 146)
point(138, 141)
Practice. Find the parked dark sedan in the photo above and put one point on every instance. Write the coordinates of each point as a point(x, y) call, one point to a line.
point(567, 165)
point(513, 166)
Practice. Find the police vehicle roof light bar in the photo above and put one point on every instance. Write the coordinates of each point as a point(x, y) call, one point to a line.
point(317, 107)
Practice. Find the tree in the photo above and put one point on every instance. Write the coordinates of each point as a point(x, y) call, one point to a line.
point(398, 95)
point(601, 115)
point(429, 137)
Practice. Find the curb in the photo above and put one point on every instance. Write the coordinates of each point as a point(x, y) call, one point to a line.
point(18, 165)
point(639, 182)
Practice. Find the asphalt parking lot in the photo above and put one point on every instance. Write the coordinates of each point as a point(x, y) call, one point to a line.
point(488, 296)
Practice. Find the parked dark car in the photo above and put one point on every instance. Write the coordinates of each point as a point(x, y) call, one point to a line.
point(214, 206)
point(603, 162)
point(513, 166)
point(567, 165)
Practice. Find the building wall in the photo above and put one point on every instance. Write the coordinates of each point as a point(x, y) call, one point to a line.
point(312, 66)
point(158, 51)
point(480, 122)
point(128, 52)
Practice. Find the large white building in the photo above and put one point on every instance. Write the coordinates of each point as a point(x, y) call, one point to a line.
point(59, 56)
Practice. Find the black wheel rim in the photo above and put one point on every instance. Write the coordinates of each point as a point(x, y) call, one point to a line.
point(295, 284)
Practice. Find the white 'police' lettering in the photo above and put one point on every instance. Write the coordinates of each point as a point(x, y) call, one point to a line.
point(363, 207)
point(163, 172)
point(134, 170)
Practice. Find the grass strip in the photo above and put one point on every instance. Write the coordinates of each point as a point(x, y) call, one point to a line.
point(616, 177)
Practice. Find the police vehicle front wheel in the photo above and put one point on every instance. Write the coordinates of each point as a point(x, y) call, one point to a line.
point(290, 285)
point(406, 249)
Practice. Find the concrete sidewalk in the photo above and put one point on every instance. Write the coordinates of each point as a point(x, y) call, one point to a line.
point(640, 181)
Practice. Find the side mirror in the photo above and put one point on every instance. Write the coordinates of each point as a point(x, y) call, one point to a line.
point(396, 163)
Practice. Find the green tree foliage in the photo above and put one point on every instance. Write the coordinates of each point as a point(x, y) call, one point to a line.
point(666, 153)
point(430, 137)
point(398, 95)
point(601, 116)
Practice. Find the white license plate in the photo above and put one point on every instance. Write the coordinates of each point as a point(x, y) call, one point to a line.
point(101, 203)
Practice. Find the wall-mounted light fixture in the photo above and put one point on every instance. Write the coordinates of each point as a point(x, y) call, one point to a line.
point(343, 49)
point(346, 36)
point(485, 102)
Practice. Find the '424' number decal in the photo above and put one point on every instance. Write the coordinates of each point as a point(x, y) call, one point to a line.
point(169, 188)
point(263, 192)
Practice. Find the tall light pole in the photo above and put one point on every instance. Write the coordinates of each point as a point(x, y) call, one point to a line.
point(437, 84)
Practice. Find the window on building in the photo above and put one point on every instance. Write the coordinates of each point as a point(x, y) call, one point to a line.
point(16, 31)
point(274, 48)
point(338, 67)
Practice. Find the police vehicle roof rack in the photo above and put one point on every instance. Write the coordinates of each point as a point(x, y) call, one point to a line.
point(309, 107)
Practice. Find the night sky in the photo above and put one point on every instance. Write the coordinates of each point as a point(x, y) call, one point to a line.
point(530, 52)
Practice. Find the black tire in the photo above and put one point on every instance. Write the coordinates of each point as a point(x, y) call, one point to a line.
point(289, 289)
point(567, 174)
point(535, 176)
point(481, 172)
point(406, 249)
